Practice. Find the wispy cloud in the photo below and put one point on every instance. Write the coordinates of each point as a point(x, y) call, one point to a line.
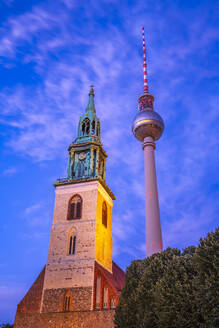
point(32, 209)
point(10, 171)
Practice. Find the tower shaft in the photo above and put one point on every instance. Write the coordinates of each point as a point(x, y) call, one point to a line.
point(153, 226)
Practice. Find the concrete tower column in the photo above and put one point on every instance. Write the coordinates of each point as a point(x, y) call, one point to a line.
point(153, 228)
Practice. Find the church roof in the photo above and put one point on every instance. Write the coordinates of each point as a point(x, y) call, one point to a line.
point(116, 279)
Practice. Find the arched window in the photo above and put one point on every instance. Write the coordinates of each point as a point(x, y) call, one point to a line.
point(75, 208)
point(72, 245)
point(71, 241)
point(85, 126)
point(104, 214)
point(67, 301)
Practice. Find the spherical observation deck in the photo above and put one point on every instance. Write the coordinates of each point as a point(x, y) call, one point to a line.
point(147, 123)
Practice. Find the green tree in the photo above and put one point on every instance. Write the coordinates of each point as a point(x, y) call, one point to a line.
point(6, 325)
point(206, 261)
point(172, 289)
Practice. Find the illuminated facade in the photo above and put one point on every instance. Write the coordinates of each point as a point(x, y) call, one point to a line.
point(80, 283)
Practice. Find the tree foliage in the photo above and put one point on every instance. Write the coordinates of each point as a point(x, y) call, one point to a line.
point(172, 289)
point(6, 325)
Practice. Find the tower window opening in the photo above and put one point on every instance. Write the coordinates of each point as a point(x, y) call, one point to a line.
point(75, 208)
point(104, 214)
point(72, 245)
point(98, 129)
point(94, 162)
point(93, 127)
point(85, 126)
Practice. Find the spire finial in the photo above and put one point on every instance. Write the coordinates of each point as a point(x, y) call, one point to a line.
point(91, 89)
point(91, 106)
point(144, 65)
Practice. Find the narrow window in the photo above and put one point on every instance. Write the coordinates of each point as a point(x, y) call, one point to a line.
point(98, 129)
point(83, 128)
point(93, 127)
point(75, 208)
point(104, 214)
point(113, 302)
point(98, 284)
point(72, 210)
point(72, 245)
point(78, 211)
point(105, 297)
point(94, 162)
point(87, 127)
point(67, 303)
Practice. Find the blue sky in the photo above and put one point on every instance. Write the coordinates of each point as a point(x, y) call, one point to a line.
point(50, 53)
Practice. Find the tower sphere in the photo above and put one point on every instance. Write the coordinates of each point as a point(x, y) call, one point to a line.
point(147, 123)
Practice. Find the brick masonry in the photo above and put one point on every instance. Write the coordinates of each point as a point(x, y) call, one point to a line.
point(32, 300)
point(81, 319)
point(53, 300)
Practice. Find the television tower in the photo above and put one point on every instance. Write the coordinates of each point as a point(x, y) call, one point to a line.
point(148, 127)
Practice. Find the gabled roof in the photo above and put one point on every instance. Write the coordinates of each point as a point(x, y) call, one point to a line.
point(116, 279)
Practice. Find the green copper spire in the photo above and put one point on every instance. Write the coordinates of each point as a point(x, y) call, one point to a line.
point(90, 105)
point(87, 159)
point(89, 124)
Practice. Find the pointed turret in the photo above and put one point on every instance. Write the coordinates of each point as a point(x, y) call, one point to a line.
point(87, 158)
point(90, 105)
point(89, 123)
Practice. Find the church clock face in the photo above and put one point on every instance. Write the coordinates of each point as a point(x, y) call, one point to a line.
point(82, 156)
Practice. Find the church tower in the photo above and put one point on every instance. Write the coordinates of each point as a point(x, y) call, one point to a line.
point(80, 279)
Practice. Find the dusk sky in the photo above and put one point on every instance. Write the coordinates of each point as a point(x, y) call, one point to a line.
point(50, 53)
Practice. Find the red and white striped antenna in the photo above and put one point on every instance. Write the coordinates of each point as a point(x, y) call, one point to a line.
point(144, 65)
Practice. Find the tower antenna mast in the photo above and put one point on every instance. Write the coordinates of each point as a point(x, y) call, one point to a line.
point(144, 64)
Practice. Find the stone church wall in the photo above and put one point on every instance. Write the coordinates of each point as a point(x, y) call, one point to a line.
point(53, 300)
point(63, 270)
point(81, 319)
